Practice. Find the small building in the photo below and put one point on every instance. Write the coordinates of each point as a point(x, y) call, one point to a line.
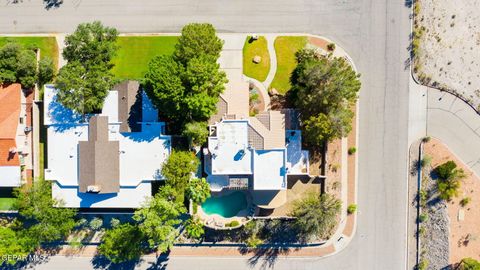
point(109, 159)
point(15, 135)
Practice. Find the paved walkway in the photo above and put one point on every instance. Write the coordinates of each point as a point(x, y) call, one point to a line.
point(456, 124)
point(273, 59)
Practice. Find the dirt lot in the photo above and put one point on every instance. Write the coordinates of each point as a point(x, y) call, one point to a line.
point(464, 235)
point(449, 48)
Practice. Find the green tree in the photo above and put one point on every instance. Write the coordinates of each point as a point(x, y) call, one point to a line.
point(204, 82)
point(196, 132)
point(122, 243)
point(158, 219)
point(43, 216)
point(194, 228)
point(449, 181)
point(83, 90)
point(197, 39)
point(178, 170)
point(96, 223)
point(324, 88)
point(198, 190)
point(91, 44)
point(469, 264)
point(449, 170)
point(163, 84)
point(46, 70)
point(316, 214)
point(17, 64)
point(14, 243)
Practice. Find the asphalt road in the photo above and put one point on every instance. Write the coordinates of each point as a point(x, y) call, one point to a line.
point(374, 32)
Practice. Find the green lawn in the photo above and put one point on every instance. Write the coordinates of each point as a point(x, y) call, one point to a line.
point(48, 45)
point(258, 47)
point(285, 49)
point(132, 58)
point(6, 203)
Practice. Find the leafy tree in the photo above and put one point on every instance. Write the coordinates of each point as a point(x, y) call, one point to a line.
point(196, 132)
point(194, 228)
point(253, 241)
point(449, 170)
point(82, 90)
point(448, 188)
point(122, 243)
point(449, 182)
point(91, 44)
point(163, 84)
point(83, 83)
point(44, 216)
point(204, 83)
point(198, 190)
point(157, 220)
point(197, 39)
point(324, 88)
point(178, 170)
point(469, 264)
point(46, 70)
point(316, 214)
point(17, 64)
point(14, 243)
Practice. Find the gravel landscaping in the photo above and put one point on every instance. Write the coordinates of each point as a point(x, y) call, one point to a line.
point(448, 56)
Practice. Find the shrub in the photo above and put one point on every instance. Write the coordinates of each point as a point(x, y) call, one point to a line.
point(352, 208)
point(114, 222)
point(352, 150)
point(469, 264)
point(233, 223)
point(446, 169)
point(194, 228)
point(423, 196)
point(422, 265)
point(96, 223)
point(331, 47)
point(422, 217)
point(196, 132)
point(426, 161)
point(465, 201)
point(81, 222)
point(422, 231)
point(253, 241)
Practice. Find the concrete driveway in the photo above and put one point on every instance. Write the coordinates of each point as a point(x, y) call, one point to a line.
point(374, 32)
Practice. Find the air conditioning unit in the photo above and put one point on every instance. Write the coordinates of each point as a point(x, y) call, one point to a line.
point(93, 189)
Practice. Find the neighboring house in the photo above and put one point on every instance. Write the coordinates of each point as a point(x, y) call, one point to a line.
point(106, 160)
point(255, 153)
point(15, 136)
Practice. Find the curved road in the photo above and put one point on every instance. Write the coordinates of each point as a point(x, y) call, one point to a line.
point(374, 32)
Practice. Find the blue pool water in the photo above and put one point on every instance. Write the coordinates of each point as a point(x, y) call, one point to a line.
point(226, 206)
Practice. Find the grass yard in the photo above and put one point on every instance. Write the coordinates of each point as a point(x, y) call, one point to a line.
point(6, 203)
point(48, 45)
point(134, 53)
point(250, 50)
point(285, 49)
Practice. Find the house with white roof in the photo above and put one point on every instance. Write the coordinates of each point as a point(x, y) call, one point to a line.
point(254, 153)
point(109, 159)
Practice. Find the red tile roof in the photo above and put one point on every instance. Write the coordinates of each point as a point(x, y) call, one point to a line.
point(9, 110)
point(6, 157)
point(9, 117)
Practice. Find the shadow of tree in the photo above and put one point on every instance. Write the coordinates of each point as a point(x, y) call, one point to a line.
point(161, 263)
point(49, 4)
point(100, 262)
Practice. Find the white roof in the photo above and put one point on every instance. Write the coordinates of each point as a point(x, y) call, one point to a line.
point(140, 159)
point(128, 197)
point(269, 170)
point(229, 149)
point(10, 176)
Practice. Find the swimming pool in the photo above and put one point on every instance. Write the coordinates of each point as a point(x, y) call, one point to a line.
point(226, 206)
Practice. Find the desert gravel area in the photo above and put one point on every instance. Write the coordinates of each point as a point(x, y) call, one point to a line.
point(449, 52)
point(463, 222)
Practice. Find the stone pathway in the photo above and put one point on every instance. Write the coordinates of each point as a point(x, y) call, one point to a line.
point(273, 59)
